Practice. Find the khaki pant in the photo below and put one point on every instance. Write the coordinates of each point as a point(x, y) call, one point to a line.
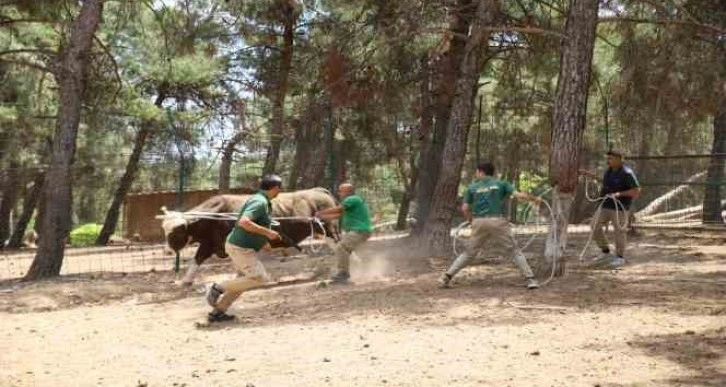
point(251, 273)
point(497, 231)
point(349, 241)
point(618, 219)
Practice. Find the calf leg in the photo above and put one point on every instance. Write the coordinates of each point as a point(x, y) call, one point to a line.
point(203, 252)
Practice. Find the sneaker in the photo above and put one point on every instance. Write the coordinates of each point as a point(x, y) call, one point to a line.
point(341, 278)
point(445, 281)
point(602, 259)
point(219, 316)
point(532, 283)
point(617, 262)
point(213, 295)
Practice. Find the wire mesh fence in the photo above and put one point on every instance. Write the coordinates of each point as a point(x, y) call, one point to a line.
point(680, 190)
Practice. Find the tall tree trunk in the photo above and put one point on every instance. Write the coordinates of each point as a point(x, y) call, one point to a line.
point(127, 180)
point(300, 157)
point(9, 199)
point(314, 158)
point(477, 146)
point(408, 192)
point(716, 173)
point(71, 76)
point(436, 231)
point(569, 115)
point(446, 71)
point(287, 7)
point(240, 134)
point(30, 202)
point(225, 166)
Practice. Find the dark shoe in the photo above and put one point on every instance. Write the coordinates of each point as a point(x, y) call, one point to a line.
point(444, 281)
point(219, 316)
point(213, 295)
point(340, 278)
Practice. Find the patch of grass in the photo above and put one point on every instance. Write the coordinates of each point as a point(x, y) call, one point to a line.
point(85, 235)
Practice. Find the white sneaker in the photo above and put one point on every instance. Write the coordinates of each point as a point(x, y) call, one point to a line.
point(617, 262)
point(602, 259)
point(532, 283)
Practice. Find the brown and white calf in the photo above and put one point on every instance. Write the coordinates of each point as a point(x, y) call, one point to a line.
point(293, 211)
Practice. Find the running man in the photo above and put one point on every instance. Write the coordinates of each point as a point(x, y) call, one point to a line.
point(484, 207)
point(355, 224)
point(251, 233)
point(620, 186)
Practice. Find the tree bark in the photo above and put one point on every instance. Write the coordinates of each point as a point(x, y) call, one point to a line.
point(9, 200)
point(71, 77)
point(287, 7)
point(300, 157)
point(30, 202)
point(241, 131)
point(716, 173)
point(569, 115)
point(225, 166)
point(127, 180)
point(410, 183)
point(436, 231)
point(446, 71)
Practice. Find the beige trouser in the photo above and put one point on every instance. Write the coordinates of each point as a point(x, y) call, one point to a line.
point(251, 273)
point(618, 219)
point(491, 230)
point(349, 241)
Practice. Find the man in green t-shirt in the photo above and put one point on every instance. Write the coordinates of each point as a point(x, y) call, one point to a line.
point(251, 233)
point(484, 207)
point(355, 222)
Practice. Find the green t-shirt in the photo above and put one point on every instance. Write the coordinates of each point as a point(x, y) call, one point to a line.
point(486, 197)
point(355, 215)
point(258, 209)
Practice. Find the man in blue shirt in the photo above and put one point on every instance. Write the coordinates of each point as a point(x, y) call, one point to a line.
point(619, 187)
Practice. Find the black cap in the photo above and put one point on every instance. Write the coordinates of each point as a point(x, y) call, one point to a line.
point(269, 182)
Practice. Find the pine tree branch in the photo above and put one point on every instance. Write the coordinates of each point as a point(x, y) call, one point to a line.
point(115, 67)
point(620, 19)
point(26, 63)
point(28, 51)
point(5, 22)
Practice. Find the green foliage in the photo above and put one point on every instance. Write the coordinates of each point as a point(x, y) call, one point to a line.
point(357, 63)
point(8, 114)
point(85, 235)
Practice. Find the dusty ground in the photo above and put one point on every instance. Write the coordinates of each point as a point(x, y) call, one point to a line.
point(659, 322)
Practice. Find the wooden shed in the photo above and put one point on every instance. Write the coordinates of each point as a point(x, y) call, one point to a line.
point(140, 210)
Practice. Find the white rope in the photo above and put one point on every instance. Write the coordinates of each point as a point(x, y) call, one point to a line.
point(178, 217)
point(461, 226)
point(556, 255)
point(619, 206)
point(526, 209)
point(529, 207)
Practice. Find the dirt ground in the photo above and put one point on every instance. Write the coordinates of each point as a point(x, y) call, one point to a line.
point(661, 321)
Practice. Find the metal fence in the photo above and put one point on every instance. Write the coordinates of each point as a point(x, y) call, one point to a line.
point(680, 190)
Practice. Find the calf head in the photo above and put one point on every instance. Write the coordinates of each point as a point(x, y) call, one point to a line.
point(175, 231)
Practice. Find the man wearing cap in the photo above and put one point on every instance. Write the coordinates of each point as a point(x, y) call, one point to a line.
point(619, 187)
point(484, 207)
point(251, 233)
